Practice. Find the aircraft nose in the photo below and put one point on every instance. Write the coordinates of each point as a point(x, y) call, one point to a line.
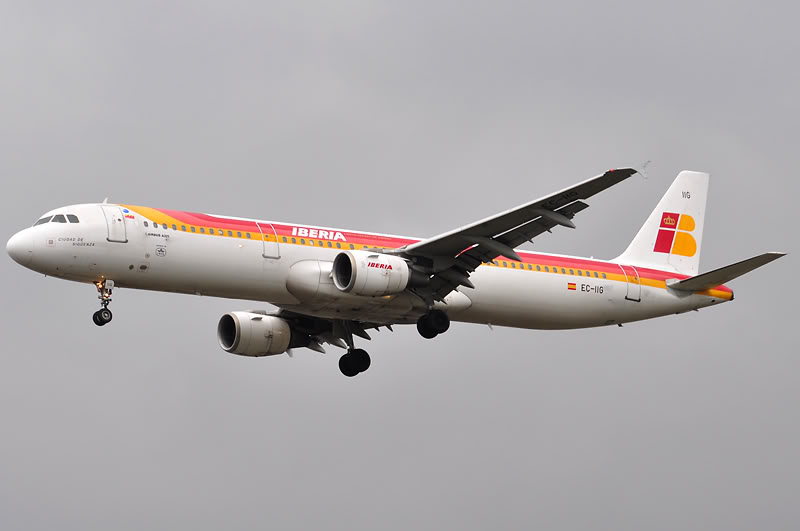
point(20, 248)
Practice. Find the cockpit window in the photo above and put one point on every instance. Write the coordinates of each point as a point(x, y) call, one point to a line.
point(43, 220)
point(72, 218)
point(59, 218)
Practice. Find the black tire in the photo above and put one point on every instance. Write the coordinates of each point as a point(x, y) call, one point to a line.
point(425, 330)
point(96, 319)
point(348, 365)
point(104, 315)
point(438, 321)
point(362, 359)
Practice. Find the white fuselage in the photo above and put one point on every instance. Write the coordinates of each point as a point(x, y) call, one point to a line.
point(296, 276)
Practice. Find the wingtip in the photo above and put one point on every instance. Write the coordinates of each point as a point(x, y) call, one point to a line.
point(629, 171)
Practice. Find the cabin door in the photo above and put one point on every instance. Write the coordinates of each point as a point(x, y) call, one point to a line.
point(633, 283)
point(115, 221)
point(270, 239)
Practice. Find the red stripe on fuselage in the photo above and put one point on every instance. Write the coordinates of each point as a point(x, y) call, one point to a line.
point(392, 242)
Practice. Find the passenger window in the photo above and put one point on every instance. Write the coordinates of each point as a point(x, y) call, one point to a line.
point(72, 218)
point(351, 246)
point(193, 229)
point(211, 231)
point(164, 226)
point(230, 233)
point(238, 234)
point(604, 275)
point(311, 242)
point(203, 230)
point(330, 244)
point(302, 241)
point(595, 274)
point(513, 265)
point(321, 244)
point(174, 227)
point(146, 224)
point(338, 245)
point(43, 221)
point(580, 273)
point(284, 239)
point(183, 228)
point(248, 235)
point(294, 240)
point(571, 271)
point(563, 272)
point(547, 269)
point(539, 268)
point(59, 219)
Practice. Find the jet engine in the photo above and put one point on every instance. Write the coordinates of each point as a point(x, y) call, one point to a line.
point(253, 334)
point(370, 274)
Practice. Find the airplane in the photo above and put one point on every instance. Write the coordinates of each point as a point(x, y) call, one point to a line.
point(330, 285)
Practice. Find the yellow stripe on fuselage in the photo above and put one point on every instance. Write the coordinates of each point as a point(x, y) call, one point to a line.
point(161, 218)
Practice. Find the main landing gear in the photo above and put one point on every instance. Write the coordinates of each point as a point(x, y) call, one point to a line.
point(103, 316)
point(355, 361)
point(433, 323)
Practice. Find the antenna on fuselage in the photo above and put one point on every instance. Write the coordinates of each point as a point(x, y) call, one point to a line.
point(105, 201)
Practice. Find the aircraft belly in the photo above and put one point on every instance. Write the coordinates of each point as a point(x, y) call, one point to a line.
point(533, 300)
point(525, 299)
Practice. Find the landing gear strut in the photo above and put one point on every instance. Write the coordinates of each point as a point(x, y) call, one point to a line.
point(433, 323)
point(103, 316)
point(355, 361)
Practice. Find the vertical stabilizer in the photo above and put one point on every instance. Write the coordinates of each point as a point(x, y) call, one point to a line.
point(671, 237)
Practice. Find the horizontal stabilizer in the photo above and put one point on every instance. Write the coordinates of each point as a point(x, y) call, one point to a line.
point(725, 274)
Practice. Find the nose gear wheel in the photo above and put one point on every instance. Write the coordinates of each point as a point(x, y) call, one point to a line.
point(103, 316)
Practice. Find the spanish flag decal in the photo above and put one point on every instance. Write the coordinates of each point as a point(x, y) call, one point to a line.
point(571, 285)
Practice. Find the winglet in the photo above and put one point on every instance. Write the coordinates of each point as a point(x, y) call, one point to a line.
point(725, 274)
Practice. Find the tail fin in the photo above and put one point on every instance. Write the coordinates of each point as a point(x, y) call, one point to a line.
point(671, 237)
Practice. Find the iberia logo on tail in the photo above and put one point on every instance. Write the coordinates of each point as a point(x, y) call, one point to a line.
point(674, 235)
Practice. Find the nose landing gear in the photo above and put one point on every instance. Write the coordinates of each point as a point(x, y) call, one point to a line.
point(103, 316)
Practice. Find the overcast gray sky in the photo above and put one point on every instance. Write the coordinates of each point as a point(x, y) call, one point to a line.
point(410, 118)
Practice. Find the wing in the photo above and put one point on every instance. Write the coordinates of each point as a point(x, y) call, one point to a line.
point(452, 256)
point(311, 332)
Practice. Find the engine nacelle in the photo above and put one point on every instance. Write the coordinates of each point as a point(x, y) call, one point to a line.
point(368, 273)
point(253, 334)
